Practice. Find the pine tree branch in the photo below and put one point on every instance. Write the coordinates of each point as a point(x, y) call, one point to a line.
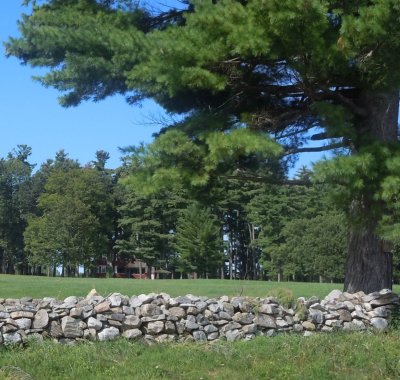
point(314, 149)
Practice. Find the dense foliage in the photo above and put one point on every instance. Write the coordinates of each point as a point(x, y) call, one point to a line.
point(65, 216)
point(254, 81)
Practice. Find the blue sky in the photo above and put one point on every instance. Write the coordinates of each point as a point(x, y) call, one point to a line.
point(30, 114)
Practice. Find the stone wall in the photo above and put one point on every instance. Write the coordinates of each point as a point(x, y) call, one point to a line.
point(160, 317)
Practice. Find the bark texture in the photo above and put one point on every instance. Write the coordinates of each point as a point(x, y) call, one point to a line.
point(368, 266)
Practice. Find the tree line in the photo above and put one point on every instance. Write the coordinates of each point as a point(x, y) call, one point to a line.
point(65, 216)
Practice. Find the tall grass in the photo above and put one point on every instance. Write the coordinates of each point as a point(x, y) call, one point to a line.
point(333, 356)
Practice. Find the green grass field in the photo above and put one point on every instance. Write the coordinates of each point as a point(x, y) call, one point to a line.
point(322, 356)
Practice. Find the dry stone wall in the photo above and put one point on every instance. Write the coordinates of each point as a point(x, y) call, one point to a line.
point(160, 317)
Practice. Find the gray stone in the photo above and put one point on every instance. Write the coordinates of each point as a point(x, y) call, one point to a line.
point(87, 311)
point(170, 327)
point(128, 310)
point(333, 323)
point(316, 315)
point(319, 307)
point(297, 327)
point(101, 318)
point(243, 318)
point(55, 329)
point(132, 334)
point(24, 323)
point(95, 324)
point(381, 312)
point(117, 317)
point(178, 312)
point(225, 315)
point(71, 300)
point(202, 320)
point(201, 306)
point(349, 305)
point(344, 315)
point(357, 314)
point(379, 323)
point(132, 321)
point(281, 323)
point(75, 312)
point(12, 338)
point(249, 329)
point(190, 325)
point(21, 314)
point(4, 315)
point(108, 333)
point(355, 325)
point(215, 308)
point(333, 295)
point(265, 321)
point(115, 300)
point(41, 319)
point(9, 328)
point(161, 317)
point(154, 328)
point(267, 308)
point(193, 310)
point(210, 329)
point(213, 336)
point(233, 335)
point(70, 327)
point(308, 333)
point(231, 326)
point(199, 336)
point(149, 310)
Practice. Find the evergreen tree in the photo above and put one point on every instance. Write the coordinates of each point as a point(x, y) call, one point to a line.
point(198, 241)
point(16, 204)
point(292, 69)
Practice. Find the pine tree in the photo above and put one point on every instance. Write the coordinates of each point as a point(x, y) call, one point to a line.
point(291, 69)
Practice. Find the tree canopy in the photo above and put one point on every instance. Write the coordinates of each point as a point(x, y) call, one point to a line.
point(292, 71)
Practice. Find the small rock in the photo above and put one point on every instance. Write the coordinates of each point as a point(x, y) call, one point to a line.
point(309, 326)
point(178, 312)
point(108, 333)
point(41, 319)
point(21, 314)
point(379, 324)
point(102, 307)
point(24, 323)
point(265, 321)
point(233, 335)
point(93, 323)
point(12, 338)
point(199, 336)
point(71, 328)
point(154, 328)
point(132, 321)
point(132, 334)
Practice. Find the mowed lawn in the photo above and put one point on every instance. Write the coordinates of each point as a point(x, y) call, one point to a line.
point(60, 288)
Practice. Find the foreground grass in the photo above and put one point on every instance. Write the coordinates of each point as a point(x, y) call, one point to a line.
point(38, 287)
point(333, 356)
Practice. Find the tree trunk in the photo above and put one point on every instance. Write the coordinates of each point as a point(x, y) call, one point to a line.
point(368, 267)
